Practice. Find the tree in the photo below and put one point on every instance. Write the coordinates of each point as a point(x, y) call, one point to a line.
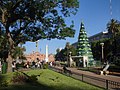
point(114, 29)
point(18, 52)
point(83, 47)
point(62, 55)
point(31, 20)
point(3, 46)
point(111, 44)
point(97, 49)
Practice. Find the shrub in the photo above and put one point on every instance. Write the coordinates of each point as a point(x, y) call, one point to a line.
point(3, 83)
point(20, 65)
point(32, 79)
point(19, 77)
point(45, 66)
point(117, 61)
point(98, 63)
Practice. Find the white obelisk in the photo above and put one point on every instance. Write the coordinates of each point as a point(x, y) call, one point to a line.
point(46, 56)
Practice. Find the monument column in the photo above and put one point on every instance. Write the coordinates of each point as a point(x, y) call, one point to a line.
point(46, 55)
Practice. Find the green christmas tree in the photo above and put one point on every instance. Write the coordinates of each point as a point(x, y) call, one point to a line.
point(83, 47)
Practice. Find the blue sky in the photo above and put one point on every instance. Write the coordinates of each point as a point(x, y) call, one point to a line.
point(94, 13)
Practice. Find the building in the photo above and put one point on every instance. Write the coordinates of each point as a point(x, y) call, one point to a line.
point(96, 37)
point(38, 56)
point(51, 58)
point(35, 56)
point(99, 36)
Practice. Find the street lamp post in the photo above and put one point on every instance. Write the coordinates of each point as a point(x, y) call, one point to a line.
point(67, 57)
point(102, 44)
point(70, 53)
point(70, 61)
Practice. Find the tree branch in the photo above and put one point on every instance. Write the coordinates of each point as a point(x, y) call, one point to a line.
point(16, 5)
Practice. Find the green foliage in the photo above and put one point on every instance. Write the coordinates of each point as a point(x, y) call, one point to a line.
point(63, 54)
point(113, 27)
point(45, 66)
point(19, 77)
point(18, 52)
point(4, 83)
point(117, 61)
point(21, 65)
point(3, 45)
point(4, 48)
point(32, 20)
point(114, 68)
point(111, 45)
point(97, 63)
point(114, 30)
point(50, 80)
point(33, 78)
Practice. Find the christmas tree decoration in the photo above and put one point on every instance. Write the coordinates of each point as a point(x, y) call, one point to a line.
point(83, 46)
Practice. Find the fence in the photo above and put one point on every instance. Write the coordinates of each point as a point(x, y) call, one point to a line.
point(100, 82)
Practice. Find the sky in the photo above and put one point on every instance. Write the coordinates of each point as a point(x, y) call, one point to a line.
point(94, 13)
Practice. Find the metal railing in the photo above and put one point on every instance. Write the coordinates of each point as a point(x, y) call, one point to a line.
point(100, 82)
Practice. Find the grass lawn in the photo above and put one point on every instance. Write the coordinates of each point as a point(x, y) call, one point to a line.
point(49, 80)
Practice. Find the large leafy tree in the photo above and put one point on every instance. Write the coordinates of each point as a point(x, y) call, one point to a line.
point(97, 49)
point(18, 52)
point(111, 44)
point(114, 29)
point(63, 55)
point(3, 46)
point(31, 20)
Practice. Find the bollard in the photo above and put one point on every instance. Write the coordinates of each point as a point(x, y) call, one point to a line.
point(106, 84)
point(82, 77)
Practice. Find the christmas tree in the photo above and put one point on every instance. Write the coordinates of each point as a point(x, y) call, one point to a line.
point(83, 47)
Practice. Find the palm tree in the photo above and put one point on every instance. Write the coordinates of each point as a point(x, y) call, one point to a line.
point(114, 29)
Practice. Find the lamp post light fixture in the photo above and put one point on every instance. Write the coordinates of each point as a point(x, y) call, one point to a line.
point(102, 44)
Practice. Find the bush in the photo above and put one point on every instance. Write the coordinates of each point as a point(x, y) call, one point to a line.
point(3, 83)
point(45, 66)
point(98, 63)
point(33, 79)
point(117, 61)
point(18, 77)
point(20, 65)
point(114, 68)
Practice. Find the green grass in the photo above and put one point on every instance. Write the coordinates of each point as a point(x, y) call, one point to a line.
point(50, 80)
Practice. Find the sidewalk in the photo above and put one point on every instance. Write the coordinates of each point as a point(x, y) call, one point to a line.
point(108, 77)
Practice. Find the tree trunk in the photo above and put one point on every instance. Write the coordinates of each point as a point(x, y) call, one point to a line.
point(6, 23)
point(9, 61)
point(11, 49)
